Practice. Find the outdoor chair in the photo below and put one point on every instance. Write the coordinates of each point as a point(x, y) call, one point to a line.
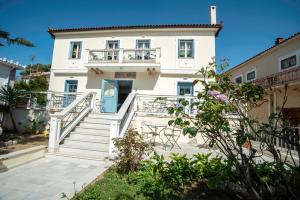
point(172, 135)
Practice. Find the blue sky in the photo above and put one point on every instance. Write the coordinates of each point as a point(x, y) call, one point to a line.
point(249, 26)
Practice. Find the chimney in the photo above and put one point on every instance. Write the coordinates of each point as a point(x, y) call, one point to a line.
point(213, 14)
point(279, 40)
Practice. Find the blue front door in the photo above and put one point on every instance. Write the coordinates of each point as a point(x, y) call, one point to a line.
point(109, 95)
point(185, 88)
point(70, 86)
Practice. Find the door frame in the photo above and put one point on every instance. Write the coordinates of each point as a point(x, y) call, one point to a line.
point(116, 82)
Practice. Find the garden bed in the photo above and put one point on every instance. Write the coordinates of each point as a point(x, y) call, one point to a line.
point(113, 185)
point(11, 142)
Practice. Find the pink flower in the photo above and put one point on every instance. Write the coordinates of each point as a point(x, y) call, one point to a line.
point(217, 95)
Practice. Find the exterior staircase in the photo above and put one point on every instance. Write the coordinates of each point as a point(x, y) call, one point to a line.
point(88, 140)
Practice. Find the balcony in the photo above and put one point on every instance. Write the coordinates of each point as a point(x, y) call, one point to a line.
point(123, 59)
point(280, 78)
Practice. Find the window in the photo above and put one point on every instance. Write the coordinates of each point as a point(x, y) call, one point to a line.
point(251, 75)
point(143, 55)
point(238, 79)
point(109, 89)
point(75, 50)
point(288, 62)
point(186, 49)
point(184, 88)
point(113, 46)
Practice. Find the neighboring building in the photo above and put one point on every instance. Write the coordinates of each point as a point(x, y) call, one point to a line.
point(35, 75)
point(148, 59)
point(274, 68)
point(8, 71)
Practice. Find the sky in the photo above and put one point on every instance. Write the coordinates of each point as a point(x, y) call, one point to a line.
point(250, 26)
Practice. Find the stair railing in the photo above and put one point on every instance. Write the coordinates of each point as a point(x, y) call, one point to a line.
point(62, 123)
point(120, 122)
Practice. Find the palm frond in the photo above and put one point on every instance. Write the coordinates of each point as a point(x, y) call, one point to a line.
point(20, 41)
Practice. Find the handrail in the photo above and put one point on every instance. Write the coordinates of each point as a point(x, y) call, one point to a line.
point(71, 106)
point(65, 121)
point(125, 106)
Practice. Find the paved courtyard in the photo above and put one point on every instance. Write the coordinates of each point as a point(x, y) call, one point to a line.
point(48, 178)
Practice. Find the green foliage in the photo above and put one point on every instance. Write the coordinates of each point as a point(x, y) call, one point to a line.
point(10, 97)
point(215, 104)
point(37, 84)
point(36, 68)
point(111, 186)
point(35, 126)
point(131, 150)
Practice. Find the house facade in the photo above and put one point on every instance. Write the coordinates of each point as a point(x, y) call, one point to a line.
point(149, 59)
point(109, 79)
point(275, 69)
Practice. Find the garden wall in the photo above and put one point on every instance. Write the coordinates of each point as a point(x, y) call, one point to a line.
point(23, 118)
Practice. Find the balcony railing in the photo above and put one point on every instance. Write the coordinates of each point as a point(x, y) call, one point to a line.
point(280, 78)
point(124, 56)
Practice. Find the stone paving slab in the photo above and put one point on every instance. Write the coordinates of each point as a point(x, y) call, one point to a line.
point(47, 178)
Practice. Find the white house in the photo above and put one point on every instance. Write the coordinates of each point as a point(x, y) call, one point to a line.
point(8, 71)
point(113, 62)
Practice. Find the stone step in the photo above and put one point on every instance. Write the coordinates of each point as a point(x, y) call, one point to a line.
point(89, 138)
point(83, 155)
point(86, 145)
point(97, 126)
point(91, 131)
point(97, 120)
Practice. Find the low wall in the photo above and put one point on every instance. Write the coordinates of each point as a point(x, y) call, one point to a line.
point(17, 158)
point(23, 116)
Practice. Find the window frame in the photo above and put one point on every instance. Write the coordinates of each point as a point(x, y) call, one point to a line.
point(295, 53)
point(238, 76)
point(71, 50)
point(185, 49)
point(248, 72)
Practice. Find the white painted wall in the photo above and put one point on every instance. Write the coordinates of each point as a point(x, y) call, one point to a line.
point(5, 75)
point(166, 40)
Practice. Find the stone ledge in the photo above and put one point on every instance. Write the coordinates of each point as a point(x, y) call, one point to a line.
point(17, 158)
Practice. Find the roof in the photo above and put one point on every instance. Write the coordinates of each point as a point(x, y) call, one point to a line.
point(11, 63)
point(266, 50)
point(52, 31)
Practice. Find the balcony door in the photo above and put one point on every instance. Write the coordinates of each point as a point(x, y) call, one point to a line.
point(112, 46)
point(143, 54)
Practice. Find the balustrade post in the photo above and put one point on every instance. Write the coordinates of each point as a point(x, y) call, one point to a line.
point(157, 57)
point(114, 133)
point(49, 100)
point(121, 55)
point(93, 101)
point(55, 127)
point(86, 56)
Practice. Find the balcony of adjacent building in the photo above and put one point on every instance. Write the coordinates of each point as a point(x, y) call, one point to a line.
point(290, 76)
point(123, 60)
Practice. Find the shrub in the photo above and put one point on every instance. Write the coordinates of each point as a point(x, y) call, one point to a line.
point(131, 150)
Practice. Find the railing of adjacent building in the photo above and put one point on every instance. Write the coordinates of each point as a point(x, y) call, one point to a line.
point(124, 55)
point(280, 78)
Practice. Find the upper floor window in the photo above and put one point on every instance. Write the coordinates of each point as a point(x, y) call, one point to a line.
point(238, 79)
point(143, 54)
point(75, 50)
point(251, 75)
point(288, 62)
point(186, 49)
point(112, 46)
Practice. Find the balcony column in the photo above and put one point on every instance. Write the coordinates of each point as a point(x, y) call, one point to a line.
point(86, 56)
point(121, 55)
point(157, 57)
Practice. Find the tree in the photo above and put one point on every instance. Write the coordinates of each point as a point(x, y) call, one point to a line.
point(10, 97)
point(5, 36)
point(234, 138)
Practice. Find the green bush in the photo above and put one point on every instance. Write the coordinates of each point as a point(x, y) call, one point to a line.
point(131, 150)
